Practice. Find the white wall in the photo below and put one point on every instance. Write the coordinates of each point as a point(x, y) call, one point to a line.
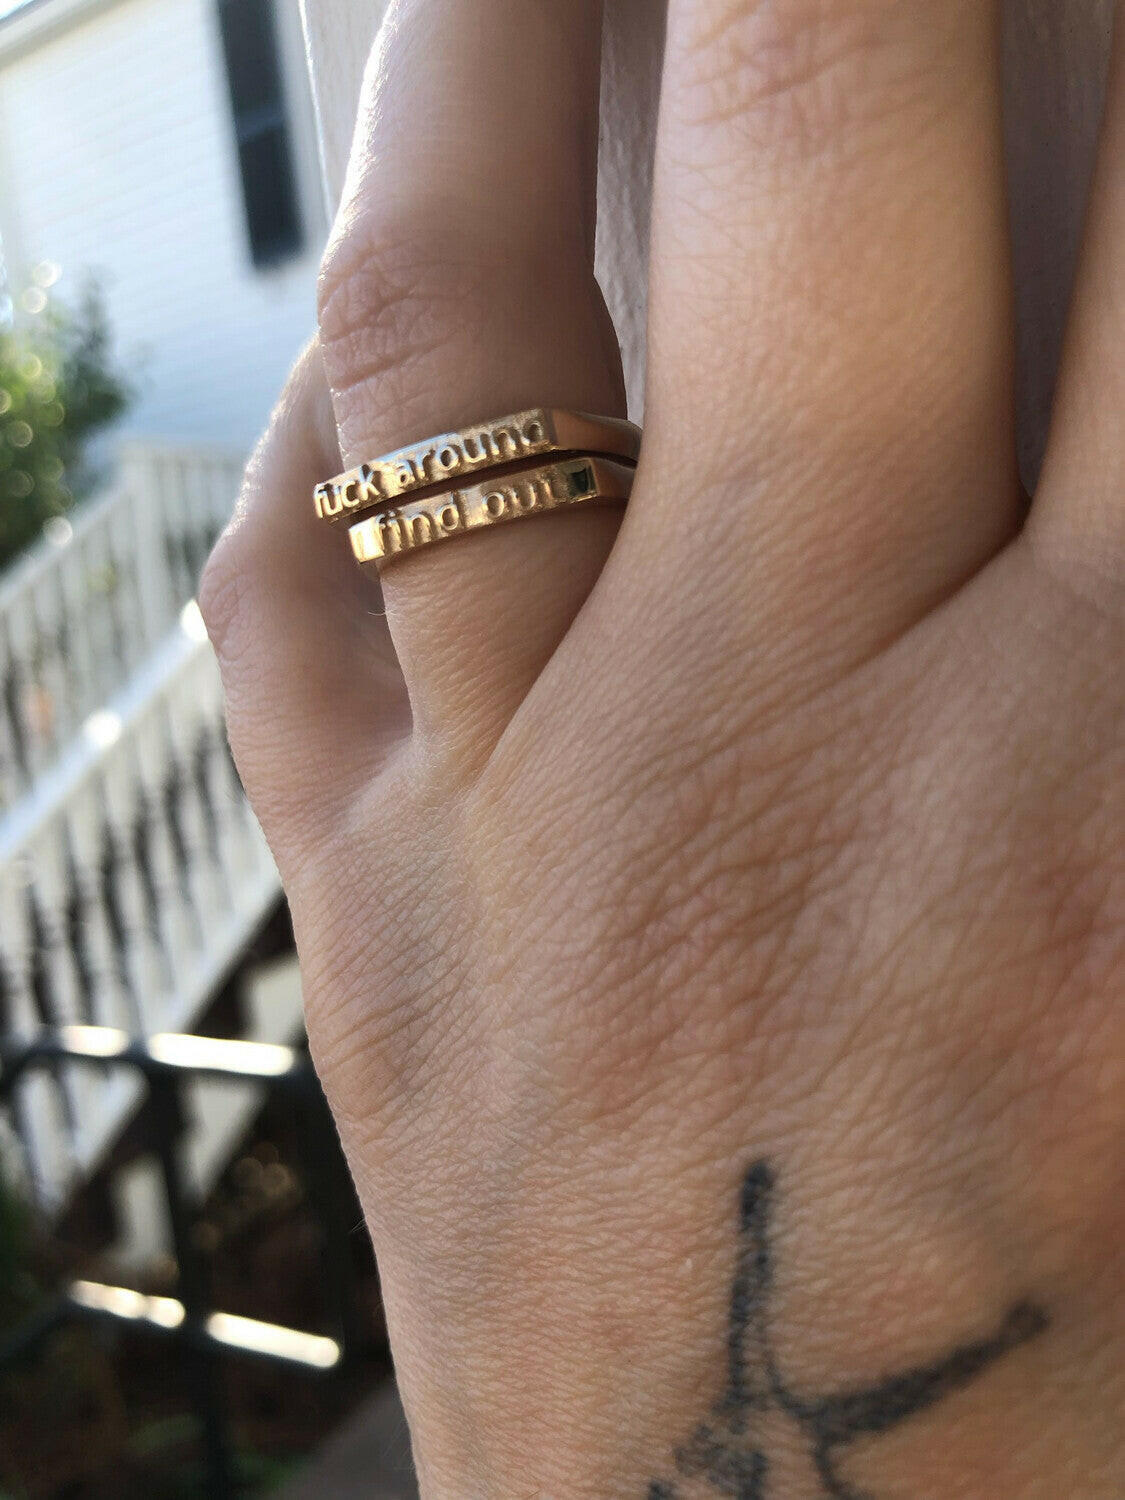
point(118, 156)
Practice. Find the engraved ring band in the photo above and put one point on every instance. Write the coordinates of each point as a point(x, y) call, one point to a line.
point(437, 463)
point(419, 523)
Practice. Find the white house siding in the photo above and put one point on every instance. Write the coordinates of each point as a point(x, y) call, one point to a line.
point(118, 157)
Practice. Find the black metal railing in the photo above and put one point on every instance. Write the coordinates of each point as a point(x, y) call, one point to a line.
point(202, 1335)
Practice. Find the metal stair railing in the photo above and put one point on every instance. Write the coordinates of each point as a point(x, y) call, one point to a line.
point(202, 1336)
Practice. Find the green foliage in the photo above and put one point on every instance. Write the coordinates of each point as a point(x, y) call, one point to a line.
point(59, 387)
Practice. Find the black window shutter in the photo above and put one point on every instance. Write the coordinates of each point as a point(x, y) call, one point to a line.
point(261, 129)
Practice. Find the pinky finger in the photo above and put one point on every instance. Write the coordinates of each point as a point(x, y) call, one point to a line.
point(315, 698)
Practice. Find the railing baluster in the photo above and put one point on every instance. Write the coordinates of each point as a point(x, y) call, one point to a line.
point(21, 626)
point(134, 635)
point(175, 499)
point(50, 867)
point(150, 510)
point(113, 664)
point(74, 575)
point(131, 905)
point(180, 929)
point(13, 776)
point(45, 1132)
point(49, 670)
point(70, 687)
point(205, 888)
point(109, 1004)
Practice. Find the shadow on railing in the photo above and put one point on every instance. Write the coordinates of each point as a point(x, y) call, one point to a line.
point(201, 1335)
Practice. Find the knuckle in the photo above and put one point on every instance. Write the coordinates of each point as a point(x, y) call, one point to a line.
point(231, 572)
point(390, 297)
point(803, 73)
point(220, 595)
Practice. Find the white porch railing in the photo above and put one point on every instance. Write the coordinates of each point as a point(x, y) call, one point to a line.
point(83, 610)
point(132, 871)
point(129, 883)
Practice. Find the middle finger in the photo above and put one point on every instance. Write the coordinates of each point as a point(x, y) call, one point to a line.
point(830, 356)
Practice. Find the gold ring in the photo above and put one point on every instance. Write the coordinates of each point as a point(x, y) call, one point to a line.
point(439, 461)
point(400, 529)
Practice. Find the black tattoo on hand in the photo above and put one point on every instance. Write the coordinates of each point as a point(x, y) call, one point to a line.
point(732, 1453)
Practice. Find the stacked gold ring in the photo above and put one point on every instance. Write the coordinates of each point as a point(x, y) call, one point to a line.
point(399, 529)
point(414, 498)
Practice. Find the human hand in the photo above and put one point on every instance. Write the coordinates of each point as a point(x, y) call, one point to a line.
point(714, 933)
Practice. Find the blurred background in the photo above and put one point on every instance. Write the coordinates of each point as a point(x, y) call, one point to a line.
point(188, 1303)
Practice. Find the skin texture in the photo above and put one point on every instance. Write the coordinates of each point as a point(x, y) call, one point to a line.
point(1054, 66)
point(773, 838)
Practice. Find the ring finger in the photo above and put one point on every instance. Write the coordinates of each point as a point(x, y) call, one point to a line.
point(459, 286)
